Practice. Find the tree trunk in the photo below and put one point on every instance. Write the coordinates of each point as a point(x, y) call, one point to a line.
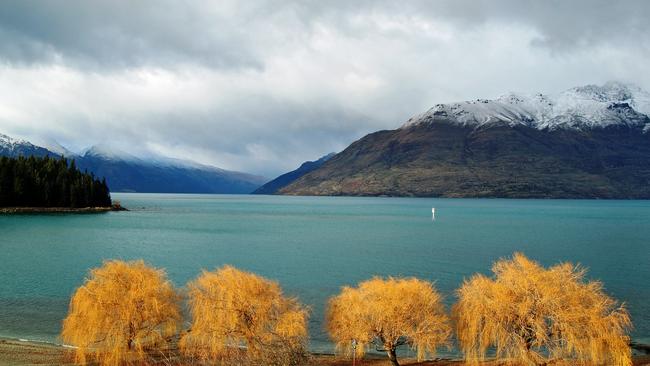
point(129, 342)
point(392, 356)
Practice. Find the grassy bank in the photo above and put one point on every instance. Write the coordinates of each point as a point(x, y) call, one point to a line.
point(19, 353)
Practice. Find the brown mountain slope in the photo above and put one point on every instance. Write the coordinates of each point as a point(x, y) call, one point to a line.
point(449, 160)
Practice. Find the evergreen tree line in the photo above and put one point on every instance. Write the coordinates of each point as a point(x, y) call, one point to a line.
point(49, 182)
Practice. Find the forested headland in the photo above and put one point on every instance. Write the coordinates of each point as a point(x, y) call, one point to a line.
point(49, 182)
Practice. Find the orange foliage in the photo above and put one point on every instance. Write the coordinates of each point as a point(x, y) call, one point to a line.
point(389, 313)
point(123, 309)
point(532, 315)
point(236, 312)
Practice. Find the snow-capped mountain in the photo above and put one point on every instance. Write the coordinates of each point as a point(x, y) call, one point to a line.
point(16, 147)
point(589, 106)
point(107, 152)
point(10, 143)
point(586, 142)
point(55, 147)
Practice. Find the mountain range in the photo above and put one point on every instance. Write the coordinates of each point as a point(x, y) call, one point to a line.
point(591, 141)
point(13, 148)
point(586, 142)
point(126, 173)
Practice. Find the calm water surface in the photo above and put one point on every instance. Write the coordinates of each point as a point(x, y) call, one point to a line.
point(315, 245)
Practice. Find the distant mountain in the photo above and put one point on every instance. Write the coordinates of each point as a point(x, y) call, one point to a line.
point(13, 148)
point(129, 174)
point(54, 147)
point(280, 182)
point(587, 142)
point(126, 173)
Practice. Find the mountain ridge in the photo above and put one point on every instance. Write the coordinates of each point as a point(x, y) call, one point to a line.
point(12, 147)
point(589, 106)
point(273, 186)
point(590, 143)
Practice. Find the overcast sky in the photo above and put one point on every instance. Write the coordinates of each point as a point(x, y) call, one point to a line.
point(260, 86)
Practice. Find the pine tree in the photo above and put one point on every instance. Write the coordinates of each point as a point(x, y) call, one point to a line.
point(46, 182)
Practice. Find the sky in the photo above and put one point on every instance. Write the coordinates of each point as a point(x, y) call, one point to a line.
point(261, 86)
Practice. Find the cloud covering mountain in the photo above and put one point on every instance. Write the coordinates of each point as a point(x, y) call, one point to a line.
point(127, 173)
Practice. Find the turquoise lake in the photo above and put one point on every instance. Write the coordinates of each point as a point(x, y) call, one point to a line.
point(315, 245)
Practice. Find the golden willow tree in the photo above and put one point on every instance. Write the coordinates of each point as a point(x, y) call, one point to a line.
point(122, 310)
point(533, 315)
point(240, 317)
point(389, 313)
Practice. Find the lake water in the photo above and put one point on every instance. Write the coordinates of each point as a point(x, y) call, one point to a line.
point(315, 245)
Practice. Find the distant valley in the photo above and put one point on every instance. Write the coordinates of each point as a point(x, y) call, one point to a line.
point(274, 186)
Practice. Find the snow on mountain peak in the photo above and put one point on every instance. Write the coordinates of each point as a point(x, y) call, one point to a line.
point(589, 106)
point(54, 146)
point(11, 143)
point(108, 152)
point(610, 91)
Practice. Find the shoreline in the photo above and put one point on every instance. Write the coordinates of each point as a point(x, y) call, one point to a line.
point(21, 352)
point(41, 210)
point(18, 352)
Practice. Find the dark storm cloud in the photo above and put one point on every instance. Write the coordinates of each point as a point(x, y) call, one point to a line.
point(562, 25)
point(111, 34)
point(262, 86)
point(223, 34)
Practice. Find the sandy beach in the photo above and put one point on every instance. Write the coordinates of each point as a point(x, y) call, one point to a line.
point(15, 353)
point(22, 353)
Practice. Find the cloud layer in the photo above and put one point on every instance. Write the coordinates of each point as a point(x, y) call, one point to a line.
point(262, 86)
